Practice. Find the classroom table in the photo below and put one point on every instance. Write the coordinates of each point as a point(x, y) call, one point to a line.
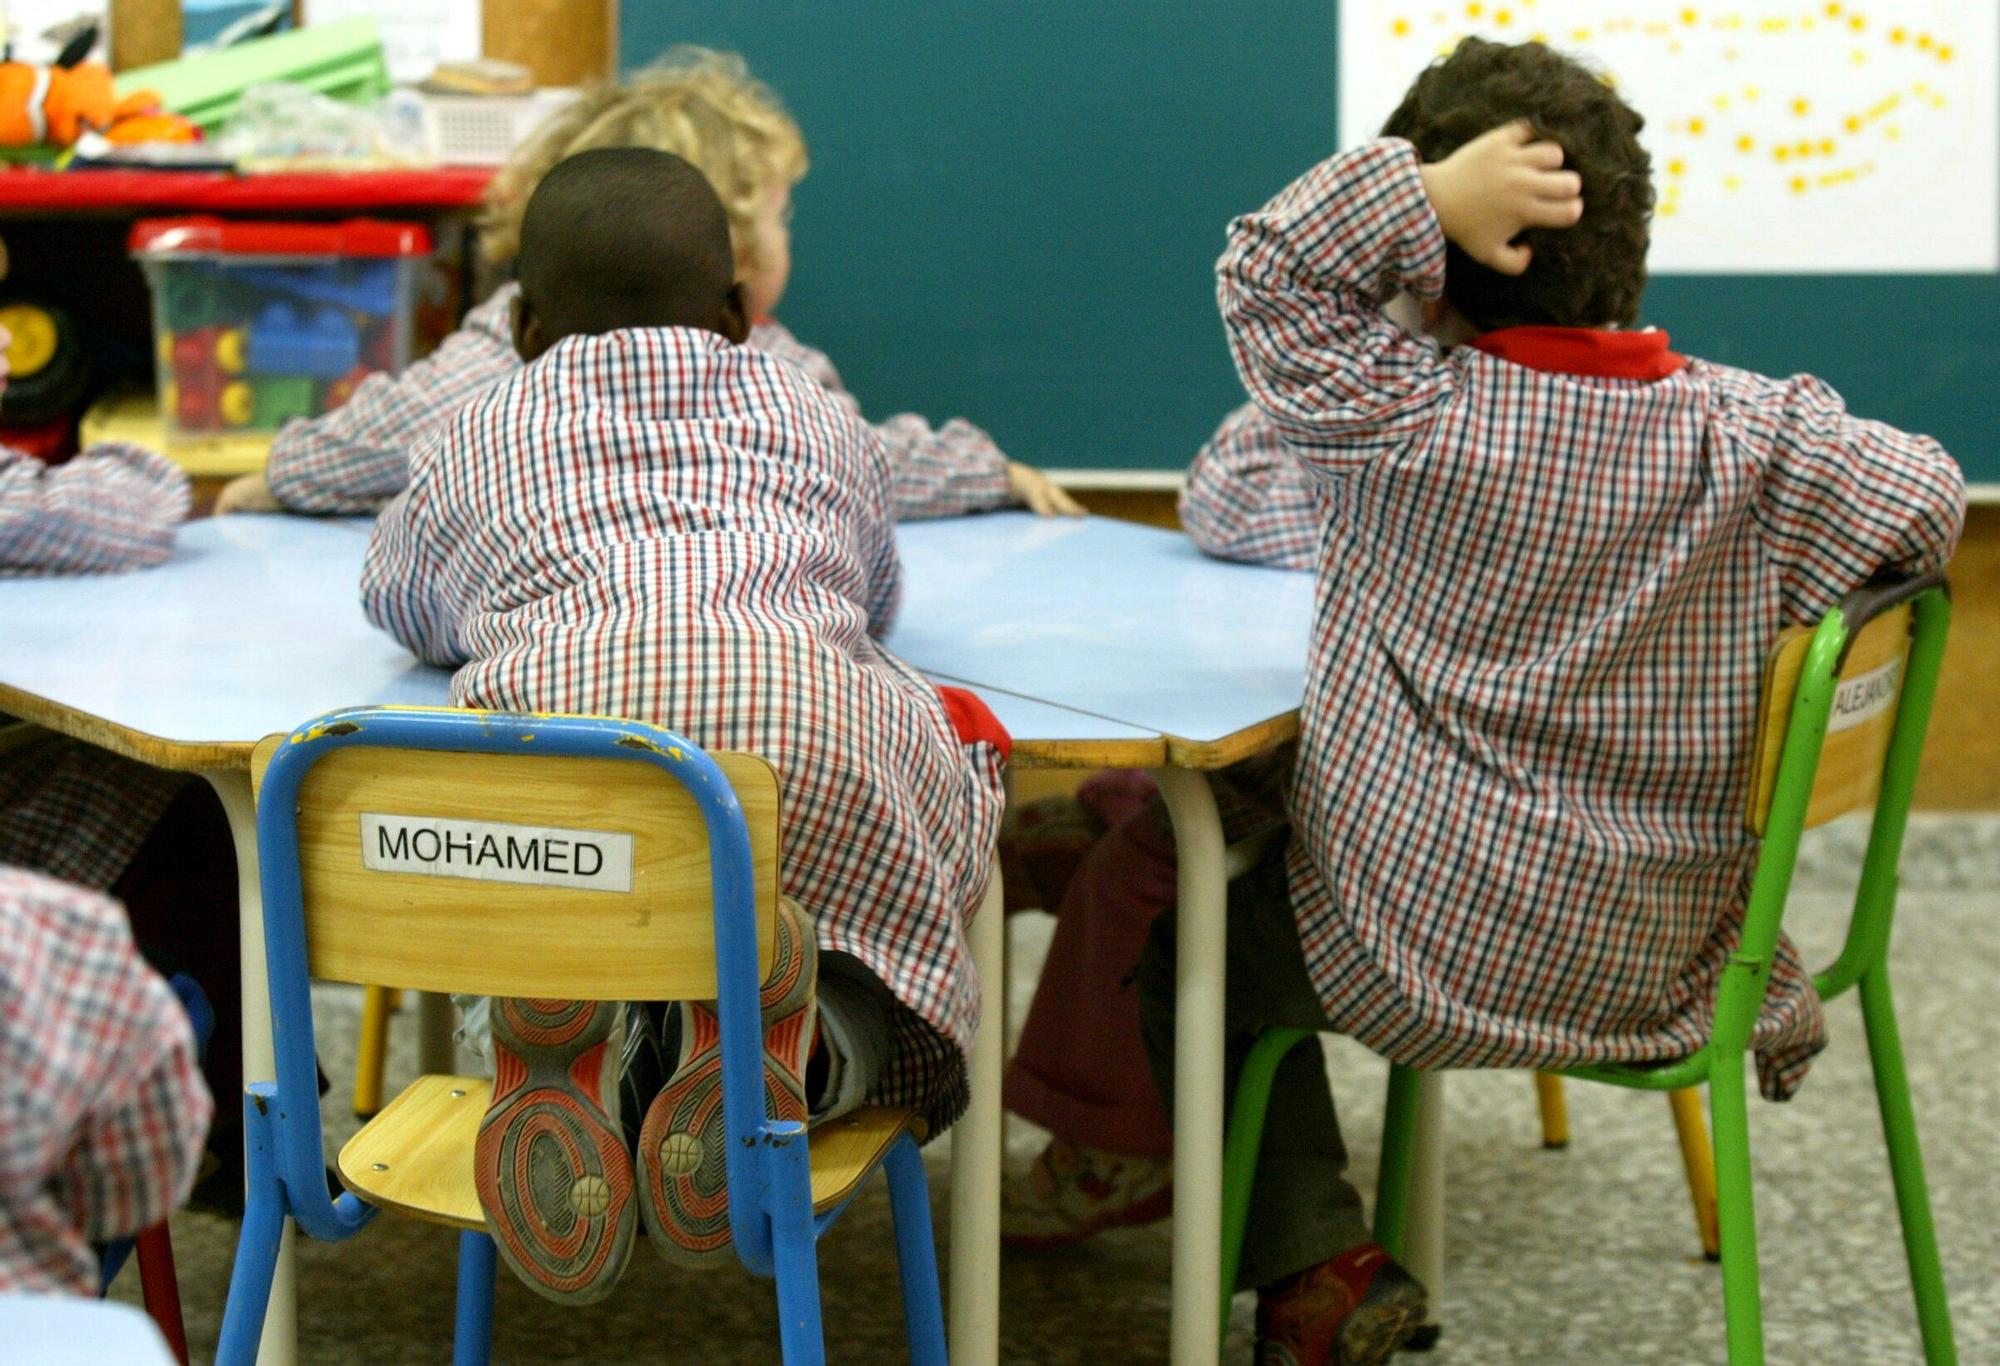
point(1135, 625)
point(68, 1330)
point(1096, 643)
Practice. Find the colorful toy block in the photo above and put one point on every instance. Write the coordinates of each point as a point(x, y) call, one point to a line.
point(194, 298)
point(282, 398)
point(366, 286)
point(232, 347)
point(322, 345)
point(195, 350)
point(197, 400)
point(239, 404)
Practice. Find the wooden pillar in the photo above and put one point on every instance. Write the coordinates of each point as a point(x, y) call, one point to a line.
point(144, 32)
point(563, 42)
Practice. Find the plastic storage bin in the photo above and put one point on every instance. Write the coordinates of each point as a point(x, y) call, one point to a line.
point(256, 323)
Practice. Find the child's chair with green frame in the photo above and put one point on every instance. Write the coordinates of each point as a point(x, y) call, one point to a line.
point(685, 913)
point(1841, 724)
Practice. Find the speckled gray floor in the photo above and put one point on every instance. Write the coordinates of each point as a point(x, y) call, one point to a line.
point(1585, 1255)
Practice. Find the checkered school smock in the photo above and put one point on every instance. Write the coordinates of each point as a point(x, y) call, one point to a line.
point(113, 507)
point(68, 809)
point(1543, 608)
point(1247, 498)
point(102, 1107)
point(660, 525)
point(357, 457)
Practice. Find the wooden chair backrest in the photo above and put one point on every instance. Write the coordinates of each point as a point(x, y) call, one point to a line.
point(383, 926)
point(1858, 728)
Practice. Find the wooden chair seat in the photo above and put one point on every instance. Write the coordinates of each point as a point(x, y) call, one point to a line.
point(415, 1157)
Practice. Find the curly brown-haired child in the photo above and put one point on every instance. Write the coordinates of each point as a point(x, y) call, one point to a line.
point(1554, 557)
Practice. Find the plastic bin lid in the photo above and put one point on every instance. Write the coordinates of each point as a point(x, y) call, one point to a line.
point(207, 236)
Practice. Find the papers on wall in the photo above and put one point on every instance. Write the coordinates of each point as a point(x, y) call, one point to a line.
point(1787, 135)
point(416, 34)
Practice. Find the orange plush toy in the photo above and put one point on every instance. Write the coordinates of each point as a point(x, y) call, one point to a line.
point(58, 104)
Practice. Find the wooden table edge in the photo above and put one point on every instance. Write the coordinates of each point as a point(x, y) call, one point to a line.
point(188, 756)
point(1147, 753)
point(195, 756)
point(1209, 755)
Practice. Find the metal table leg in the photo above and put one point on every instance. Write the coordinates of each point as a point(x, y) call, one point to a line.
point(1198, 1098)
point(976, 1141)
point(1424, 1243)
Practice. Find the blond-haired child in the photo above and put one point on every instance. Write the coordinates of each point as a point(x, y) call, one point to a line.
point(702, 106)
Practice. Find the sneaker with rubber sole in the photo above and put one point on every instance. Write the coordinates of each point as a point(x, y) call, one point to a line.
point(683, 1172)
point(1355, 1309)
point(551, 1166)
point(1074, 1191)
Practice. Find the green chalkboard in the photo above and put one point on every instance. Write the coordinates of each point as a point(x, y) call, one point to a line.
point(1015, 208)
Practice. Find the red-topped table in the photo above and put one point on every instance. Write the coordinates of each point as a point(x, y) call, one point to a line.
point(27, 191)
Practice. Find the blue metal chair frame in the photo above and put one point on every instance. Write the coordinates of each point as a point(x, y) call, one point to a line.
point(770, 1188)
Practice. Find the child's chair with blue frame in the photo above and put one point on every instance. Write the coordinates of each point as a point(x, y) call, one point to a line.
point(1841, 724)
point(693, 922)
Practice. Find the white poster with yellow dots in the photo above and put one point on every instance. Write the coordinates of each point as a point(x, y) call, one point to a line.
point(1851, 136)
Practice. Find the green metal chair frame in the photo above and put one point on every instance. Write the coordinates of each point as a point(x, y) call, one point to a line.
point(1862, 962)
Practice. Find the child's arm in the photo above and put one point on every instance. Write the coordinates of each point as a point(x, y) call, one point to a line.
point(1248, 498)
point(403, 585)
point(885, 586)
point(357, 457)
point(113, 507)
point(957, 469)
point(1303, 282)
point(1844, 498)
point(110, 1113)
point(873, 527)
point(138, 1154)
point(947, 471)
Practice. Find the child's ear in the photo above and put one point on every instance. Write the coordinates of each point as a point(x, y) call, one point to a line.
point(735, 317)
point(528, 343)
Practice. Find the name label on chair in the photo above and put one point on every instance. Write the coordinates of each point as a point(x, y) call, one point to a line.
point(487, 851)
point(1863, 698)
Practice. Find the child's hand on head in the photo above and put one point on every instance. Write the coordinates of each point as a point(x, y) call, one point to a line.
point(1497, 186)
point(1040, 494)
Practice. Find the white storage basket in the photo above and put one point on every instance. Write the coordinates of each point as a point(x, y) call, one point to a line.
point(484, 130)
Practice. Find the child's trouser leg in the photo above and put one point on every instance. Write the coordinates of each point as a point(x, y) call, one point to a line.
point(1043, 842)
point(1303, 1210)
point(1081, 1069)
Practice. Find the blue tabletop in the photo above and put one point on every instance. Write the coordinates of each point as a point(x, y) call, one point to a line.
point(1127, 622)
point(67, 1330)
point(255, 625)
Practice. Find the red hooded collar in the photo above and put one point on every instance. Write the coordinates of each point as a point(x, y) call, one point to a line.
point(1583, 351)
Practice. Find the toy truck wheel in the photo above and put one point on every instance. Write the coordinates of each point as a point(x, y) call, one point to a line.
point(49, 368)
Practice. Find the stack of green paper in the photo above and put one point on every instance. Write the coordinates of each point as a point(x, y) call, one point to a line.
point(342, 60)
